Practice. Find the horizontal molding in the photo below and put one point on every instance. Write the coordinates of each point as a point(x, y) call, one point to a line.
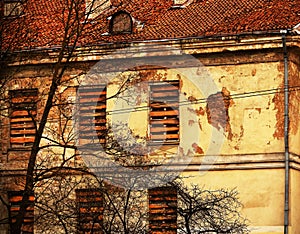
point(215, 163)
point(266, 229)
point(204, 163)
point(205, 45)
point(243, 162)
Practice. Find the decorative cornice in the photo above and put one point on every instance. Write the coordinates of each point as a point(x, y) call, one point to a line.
point(203, 45)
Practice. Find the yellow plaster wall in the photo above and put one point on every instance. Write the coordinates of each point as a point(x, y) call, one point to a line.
point(253, 124)
point(260, 191)
point(255, 127)
point(252, 117)
point(294, 99)
point(295, 202)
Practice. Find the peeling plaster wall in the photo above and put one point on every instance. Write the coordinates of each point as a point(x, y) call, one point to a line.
point(294, 99)
point(246, 108)
point(250, 121)
point(39, 77)
point(254, 117)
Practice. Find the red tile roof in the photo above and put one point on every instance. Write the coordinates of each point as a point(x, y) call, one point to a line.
point(226, 17)
point(43, 23)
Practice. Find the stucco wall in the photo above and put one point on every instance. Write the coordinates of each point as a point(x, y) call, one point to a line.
point(261, 192)
point(247, 88)
point(294, 202)
point(294, 108)
point(250, 118)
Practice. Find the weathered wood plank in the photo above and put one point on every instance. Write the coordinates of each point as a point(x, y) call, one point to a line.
point(164, 113)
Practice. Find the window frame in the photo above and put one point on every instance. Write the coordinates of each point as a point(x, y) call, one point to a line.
point(162, 208)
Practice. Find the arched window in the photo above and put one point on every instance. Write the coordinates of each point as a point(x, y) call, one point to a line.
point(121, 22)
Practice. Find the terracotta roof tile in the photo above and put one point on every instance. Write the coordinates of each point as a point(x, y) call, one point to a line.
point(42, 25)
point(227, 16)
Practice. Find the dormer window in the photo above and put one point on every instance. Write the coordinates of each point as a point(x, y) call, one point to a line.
point(120, 23)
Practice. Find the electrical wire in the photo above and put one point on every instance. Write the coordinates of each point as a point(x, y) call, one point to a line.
point(204, 100)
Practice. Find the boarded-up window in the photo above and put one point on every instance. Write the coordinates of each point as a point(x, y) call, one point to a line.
point(92, 108)
point(164, 112)
point(15, 199)
point(163, 210)
point(22, 117)
point(90, 210)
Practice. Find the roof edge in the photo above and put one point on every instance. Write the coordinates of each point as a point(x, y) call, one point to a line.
point(187, 45)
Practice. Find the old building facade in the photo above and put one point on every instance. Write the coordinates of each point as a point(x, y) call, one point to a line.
point(207, 90)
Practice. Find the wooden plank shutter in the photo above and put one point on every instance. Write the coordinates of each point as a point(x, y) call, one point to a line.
point(164, 112)
point(90, 210)
point(22, 117)
point(92, 108)
point(15, 199)
point(162, 210)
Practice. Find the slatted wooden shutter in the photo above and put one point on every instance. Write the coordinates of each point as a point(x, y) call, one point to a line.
point(162, 210)
point(164, 112)
point(90, 210)
point(15, 199)
point(92, 108)
point(22, 117)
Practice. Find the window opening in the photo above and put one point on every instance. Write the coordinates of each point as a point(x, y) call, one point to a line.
point(120, 23)
point(22, 117)
point(164, 112)
point(91, 113)
point(90, 210)
point(15, 200)
point(163, 210)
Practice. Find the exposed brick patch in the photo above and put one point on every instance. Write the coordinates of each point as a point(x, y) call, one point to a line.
point(191, 122)
point(278, 101)
point(198, 112)
point(294, 97)
point(217, 110)
point(197, 148)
